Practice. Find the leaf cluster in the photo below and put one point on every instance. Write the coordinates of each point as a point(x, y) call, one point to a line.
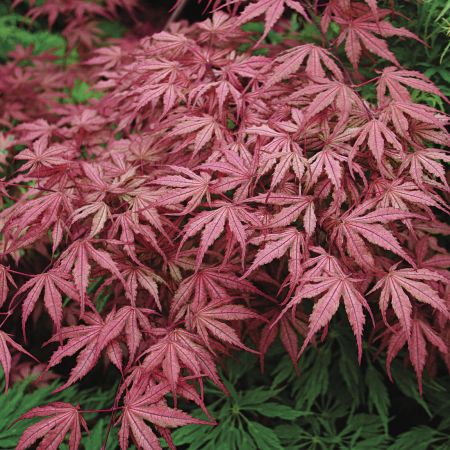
point(270, 180)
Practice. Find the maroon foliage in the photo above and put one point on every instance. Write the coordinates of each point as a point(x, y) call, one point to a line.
point(210, 188)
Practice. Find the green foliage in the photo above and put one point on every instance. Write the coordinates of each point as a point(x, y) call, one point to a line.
point(81, 93)
point(96, 437)
point(112, 29)
point(240, 416)
point(421, 438)
point(19, 30)
point(378, 397)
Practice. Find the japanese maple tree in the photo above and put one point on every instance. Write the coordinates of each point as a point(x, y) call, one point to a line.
point(224, 189)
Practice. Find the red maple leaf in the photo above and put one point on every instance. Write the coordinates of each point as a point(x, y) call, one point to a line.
point(179, 188)
point(276, 245)
point(180, 349)
point(397, 284)
point(213, 222)
point(357, 225)
point(5, 355)
point(52, 283)
point(236, 169)
point(149, 406)
point(272, 10)
point(421, 333)
point(77, 255)
point(90, 340)
point(206, 285)
point(360, 30)
point(5, 280)
point(426, 160)
point(62, 418)
point(291, 60)
point(377, 134)
point(393, 80)
point(330, 289)
point(207, 320)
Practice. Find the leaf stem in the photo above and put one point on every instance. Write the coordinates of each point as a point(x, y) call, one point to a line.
point(176, 13)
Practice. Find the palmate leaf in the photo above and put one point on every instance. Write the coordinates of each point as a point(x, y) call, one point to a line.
point(398, 283)
point(398, 113)
point(100, 213)
point(327, 93)
point(18, 401)
point(360, 31)
point(77, 256)
point(90, 340)
point(202, 127)
point(426, 160)
point(35, 217)
point(378, 395)
point(294, 206)
point(399, 194)
point(212, 224)
point(330, 290)
point(42, 156)
point(141, 408)
point(277, 244)
point(52, 283)
point(6, 343)
point(264, 437)
point(272, 10)
point(358, 225)
point(180, 349)
point(237, 171)
point(185, 185)
point(209, 322)
point(281, 153)
point(377, 134)
point(26, 394)
point(421, 437)
point(62, 418)
point(292, 59)
point(417, 338)
point(209, 284)
point(393, 79)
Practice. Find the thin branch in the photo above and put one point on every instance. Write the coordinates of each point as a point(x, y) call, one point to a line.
point(176, 13)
